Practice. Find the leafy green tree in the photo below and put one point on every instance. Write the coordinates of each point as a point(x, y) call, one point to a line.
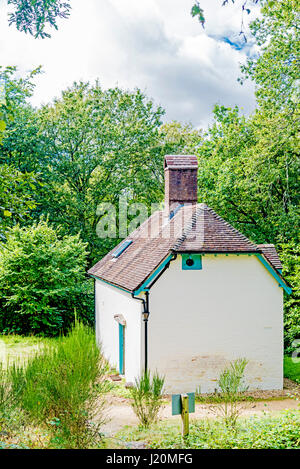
point(248, 171)
point(98, 145)
point(18, 184)
point(275, 70)
point(42, 281)
point(32, 16)
point(13, 92)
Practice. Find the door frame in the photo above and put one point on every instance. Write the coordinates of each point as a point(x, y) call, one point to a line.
point(121, 349)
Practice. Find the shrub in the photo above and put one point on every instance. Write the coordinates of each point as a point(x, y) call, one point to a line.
point(62, 385)
point(147, 398)
point(231, 385)
point(290, 255)
point(42, 281)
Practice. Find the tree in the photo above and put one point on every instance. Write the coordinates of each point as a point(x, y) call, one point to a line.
point(32, 16)
point(248, 172)
point(42, 281)
point(275, 70)
point(98, 145)
point(13, 93)
point(17, 185)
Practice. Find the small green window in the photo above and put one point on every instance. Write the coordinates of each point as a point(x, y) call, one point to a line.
point(191, 261)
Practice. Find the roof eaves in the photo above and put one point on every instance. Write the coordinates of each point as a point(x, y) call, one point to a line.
point(110, 283)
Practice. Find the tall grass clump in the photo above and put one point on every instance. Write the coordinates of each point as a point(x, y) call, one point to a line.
point(231, 385)
point(147, 398)
point(63, 386)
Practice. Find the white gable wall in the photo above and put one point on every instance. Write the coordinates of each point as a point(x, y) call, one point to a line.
point(201, 319)
point(109, 302)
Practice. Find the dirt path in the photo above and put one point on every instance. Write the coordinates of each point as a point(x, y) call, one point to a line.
point(120, 413)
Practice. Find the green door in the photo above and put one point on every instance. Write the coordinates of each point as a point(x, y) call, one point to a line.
point(121, 349)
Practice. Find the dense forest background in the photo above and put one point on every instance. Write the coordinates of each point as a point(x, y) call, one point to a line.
point(60, 161)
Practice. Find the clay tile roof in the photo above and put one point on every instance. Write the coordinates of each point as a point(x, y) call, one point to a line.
point(181, 161)
point(192, 229)
point(270, 253)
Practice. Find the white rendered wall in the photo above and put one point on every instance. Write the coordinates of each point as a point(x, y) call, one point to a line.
point(201, 319)
point(109, 302)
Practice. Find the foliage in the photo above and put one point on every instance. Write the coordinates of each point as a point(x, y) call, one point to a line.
point(61, 385)
point(34, 15)
point(268, 432)
point(231, 386)
point(198, 12)
point(290, 256)
point(292, 368)
point(147, 398)
point(248, 171)
point(13, 93)
point(42, 281)
point(16, 196)
point(97, 146)
point(275, 70)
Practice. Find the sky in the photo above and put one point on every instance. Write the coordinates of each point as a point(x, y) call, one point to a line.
point(154, 45)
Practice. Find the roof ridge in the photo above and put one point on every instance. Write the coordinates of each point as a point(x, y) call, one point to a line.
point(266, 245)
point(189, 227)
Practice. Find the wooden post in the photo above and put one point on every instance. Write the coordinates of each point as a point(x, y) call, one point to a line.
point(185, 414)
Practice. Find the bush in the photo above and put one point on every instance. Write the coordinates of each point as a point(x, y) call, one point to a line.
point(42, 281)
point(147, 398)
point(61, 387)
point(290, 256)
point(231, 385)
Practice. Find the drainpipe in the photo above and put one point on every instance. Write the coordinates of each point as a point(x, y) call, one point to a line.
point(146, 311)
point(145, 314)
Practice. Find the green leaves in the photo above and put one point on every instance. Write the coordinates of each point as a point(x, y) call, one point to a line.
point(97, 145)
point(32, 16)
point(42, 280)
point(198, 12)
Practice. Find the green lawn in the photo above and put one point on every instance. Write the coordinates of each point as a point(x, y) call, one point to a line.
point(292, 368)
point(18, 348)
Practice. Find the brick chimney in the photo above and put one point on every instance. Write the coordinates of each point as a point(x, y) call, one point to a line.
point(181, 173)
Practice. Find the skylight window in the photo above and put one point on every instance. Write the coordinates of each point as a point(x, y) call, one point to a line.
point(121, 248)
point(173, 212)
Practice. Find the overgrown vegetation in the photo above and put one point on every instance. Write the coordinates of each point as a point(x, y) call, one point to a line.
point(60, 389)
point(147, 397)
point(266, 432)
point(231, 387)
point(42, 281)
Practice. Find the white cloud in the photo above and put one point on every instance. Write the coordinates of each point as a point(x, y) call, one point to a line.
point(151, 44)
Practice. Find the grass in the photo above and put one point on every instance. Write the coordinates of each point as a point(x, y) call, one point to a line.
point(58, 391)
point(16, 348)
point(292, 368)
point(268, 432)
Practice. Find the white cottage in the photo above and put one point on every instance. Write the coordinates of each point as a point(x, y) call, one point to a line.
point(186, 293)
